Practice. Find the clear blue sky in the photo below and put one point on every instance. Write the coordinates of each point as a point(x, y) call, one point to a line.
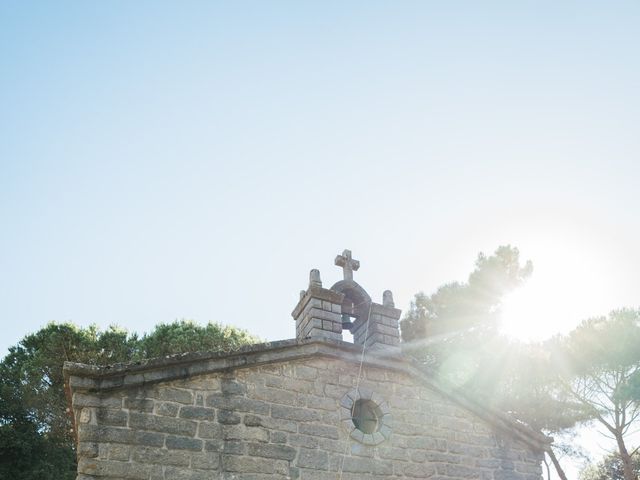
point(163, 160)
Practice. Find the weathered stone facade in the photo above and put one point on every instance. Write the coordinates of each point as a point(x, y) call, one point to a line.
point(284, 410)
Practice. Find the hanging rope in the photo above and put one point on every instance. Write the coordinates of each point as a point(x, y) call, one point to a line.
point(358, 378)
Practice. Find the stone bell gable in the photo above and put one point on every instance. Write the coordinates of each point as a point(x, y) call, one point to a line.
point(325, 313)
point(310, 408)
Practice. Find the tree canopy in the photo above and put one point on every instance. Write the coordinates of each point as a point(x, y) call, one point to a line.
point(35, 437)
point(457, 308)
point(455, 332)
point(597, 365)
point(610, 468)
point(591, 374)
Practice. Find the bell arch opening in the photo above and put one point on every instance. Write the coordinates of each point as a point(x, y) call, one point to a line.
point(355, 305)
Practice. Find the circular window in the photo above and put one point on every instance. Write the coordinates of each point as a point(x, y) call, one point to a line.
point(366, 416)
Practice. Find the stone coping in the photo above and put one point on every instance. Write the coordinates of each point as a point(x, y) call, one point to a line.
point(94, 378)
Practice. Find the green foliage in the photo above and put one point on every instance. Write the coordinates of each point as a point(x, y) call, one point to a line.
point(633, 387)
point(521, 381)
point(456, 308)
point(27, 454)
point(454, 333)
point(35, 430)
point(597, 364)
point(455, 330)
point(610, 468)
point(185, 336)
point(602, 345)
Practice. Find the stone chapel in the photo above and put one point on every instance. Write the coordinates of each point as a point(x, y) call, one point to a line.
point(310, 408)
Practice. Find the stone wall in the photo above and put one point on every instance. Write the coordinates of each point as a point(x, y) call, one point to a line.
point(282, 420)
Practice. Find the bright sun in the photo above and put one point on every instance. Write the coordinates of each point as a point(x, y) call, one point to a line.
point(563, 290)
point(522, 315)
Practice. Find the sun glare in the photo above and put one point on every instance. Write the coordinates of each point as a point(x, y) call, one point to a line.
point(521, 315)
point(563, 290)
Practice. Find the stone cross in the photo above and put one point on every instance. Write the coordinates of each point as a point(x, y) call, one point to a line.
point(348, 264)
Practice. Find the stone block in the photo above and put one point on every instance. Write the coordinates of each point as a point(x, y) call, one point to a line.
point(240, 404)
point(417, 456)
point(298, 385)
point(418, 470)
point(391, 453)
point(305, 441)
point(167, 409)
point(94, 433)
point(381, 467)
point(159, 456)
point(328, 325)
point(294, 473)
point(491, 463)
point(209, 430)
point(508, 475)
point(228, 417)
point(150, 439)
point(278, 437)
point(467, 449)
point(234, 447)
point(357, 465)
point(88, 400)
point(316, 430)
point(244, 464)
point(139, 404)
point(321, 333)
point(384, 329)
point(313, 297)
point(391, 340)
point(206, 461)
point(320, 403)
point(442, 457)
point(121, 453)
point(88, 449)
point(360, 450)
point(294, 413)
point(113, 417)
point(390, 322)
point(175, 395)
point(253, 420)
point(325, 315)
point(216, 445)
point(197, 413)
point(316, 459)
point(278, 424)
point(176, 473)
point(242, 432)
point(461, 471)
point(275, 395)
point(266, 450)
point(388, 312)
point(183, 443)
point(422, 442)
point(330, 445)
point(104, 468)
point(232, 387)
point(178, 426)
